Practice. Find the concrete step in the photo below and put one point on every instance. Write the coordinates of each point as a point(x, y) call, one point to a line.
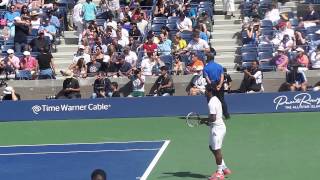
point(227, 34)
point(226, 17)
point(223, 49)
point(235, 27)
point(67, 48)
point(224, 42)
point(228, 21)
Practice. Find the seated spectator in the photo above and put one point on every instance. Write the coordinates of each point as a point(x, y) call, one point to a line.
point(296, 79)
point(93, 67)
point(115, 90)
point(149, 46)
point(178, 66)
point(130, 56)
point(138, 81)
point(311, 18)
point(299, 39)
point(11, 63)
point(29, 63)
point(122, 40)
point(281, 60)
point(142, 24)
point(195, 63)
point(273, 14)
point(135, 32)
point(198, 83)
point(101, 86)
point(253, 33)
point(4, 4)
point(160, 9)
point(53, 20)
point(121, 28)
point(156, 69)
point(315, 58)
point(21, 33)
point(71, 88)
point(100, 57)
point(202, 34)
point(252, 80)
point(100, 44)
point(35, 23)
point(79, 69)
point(49, 30)
point(124, 68)
point(178, 43)
point(184, 23)
point(164, 46)
point(302, 59)
point(197, 44)
point(125, 13)
point(287, 43)
point(226, 81)
point(81, 54)
point(41, 42)
point(164, 83)
point(9, 16)
point(46, 65)
point(147, 64)
point(10, 94)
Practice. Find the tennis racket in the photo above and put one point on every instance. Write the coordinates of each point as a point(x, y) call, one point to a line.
point(193, 119)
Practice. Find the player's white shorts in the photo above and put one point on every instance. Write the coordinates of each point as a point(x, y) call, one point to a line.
point(216, 135)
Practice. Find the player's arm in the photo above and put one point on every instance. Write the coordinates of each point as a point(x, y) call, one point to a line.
point(212, 118)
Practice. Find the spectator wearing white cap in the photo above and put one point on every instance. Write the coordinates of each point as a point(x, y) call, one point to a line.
point(302, 59)
point(199, 83)
point(11, 62)
point(10, 94)
point(28, 64)
point(81, 54)
point(10, 16)
point(281, 60)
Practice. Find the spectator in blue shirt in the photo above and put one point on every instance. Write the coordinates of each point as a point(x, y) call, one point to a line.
point(164, 46)
point(190, 13)
point(214, 74)
point(89, 10)
point(49, 30)
point(202, 34)
point(54, 20)
point(9, 17)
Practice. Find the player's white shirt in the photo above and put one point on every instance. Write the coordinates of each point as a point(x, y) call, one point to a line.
point(215, 107)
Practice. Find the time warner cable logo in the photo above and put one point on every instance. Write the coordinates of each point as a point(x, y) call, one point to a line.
point(36, 109)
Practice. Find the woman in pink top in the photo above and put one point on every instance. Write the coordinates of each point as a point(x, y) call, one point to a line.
point(281, 60)
point(302, 59)
point(27, 62)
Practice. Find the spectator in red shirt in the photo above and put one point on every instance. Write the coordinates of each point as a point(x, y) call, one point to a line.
point(149, 46)
point(28, 64)
point(302, 59)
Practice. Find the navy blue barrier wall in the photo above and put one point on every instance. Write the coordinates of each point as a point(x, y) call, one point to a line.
point(155, 106)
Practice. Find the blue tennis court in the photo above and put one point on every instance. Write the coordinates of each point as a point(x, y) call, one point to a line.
point(121, 160)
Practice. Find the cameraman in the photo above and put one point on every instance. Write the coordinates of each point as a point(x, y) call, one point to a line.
point(101, 86)
point(252, 80)
point(137, 80)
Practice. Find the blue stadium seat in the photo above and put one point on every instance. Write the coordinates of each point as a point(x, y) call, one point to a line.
point(267, 32)
point(168, 60)
point(265, 48)
point(294, 22)
point(249, 56)
point(172, 27)
point(266, 24)
point(4, 48)
point(172, 19)
point(159, 21)
point(156, 27)
point(249, 48)
point(265, 66)
point(160, 18)
point(265, 56)
point(312, 29)
point(100, 22)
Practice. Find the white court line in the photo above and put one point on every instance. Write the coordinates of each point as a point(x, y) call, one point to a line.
point(75, 152)
point(70, 144)
point(155, 160)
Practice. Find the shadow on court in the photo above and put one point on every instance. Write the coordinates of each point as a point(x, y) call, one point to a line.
point(184, 175)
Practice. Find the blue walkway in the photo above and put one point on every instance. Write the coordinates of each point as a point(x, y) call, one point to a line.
point(121, 161)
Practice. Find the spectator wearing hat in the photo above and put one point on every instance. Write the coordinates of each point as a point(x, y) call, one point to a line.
point(39, 43)
point(281, 60)
point(81, 54)
point(184, 23)
point(49, 30)
point(35, 22)
point(302, 59)
point(198, 83)
point(164, 84)
point(296, 79)
point(21, 32)
point(28, 64)
point(89, 11)
point(315, 58)
point(71, 87)
point(299, 39)
point(11, 62)
point(9, 16)
point(10, 94)
point(46, 65)
point(190, 13)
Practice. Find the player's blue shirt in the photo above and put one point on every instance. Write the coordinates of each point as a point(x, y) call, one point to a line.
point(213, 71)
